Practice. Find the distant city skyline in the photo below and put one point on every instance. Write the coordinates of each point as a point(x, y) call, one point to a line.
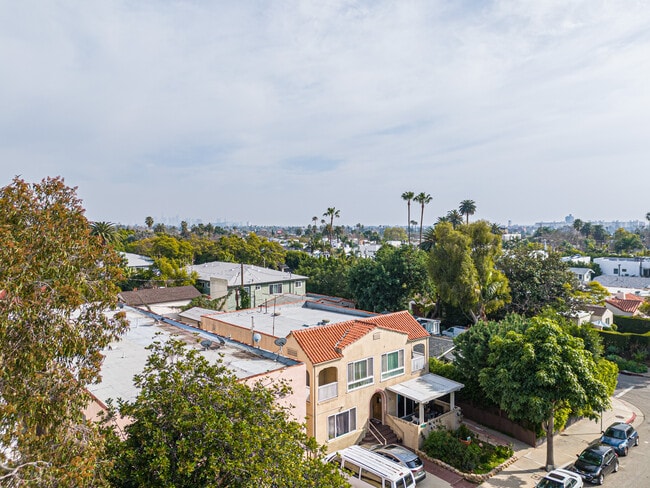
point(269, 113)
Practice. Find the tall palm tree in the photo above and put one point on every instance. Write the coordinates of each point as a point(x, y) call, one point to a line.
point(467, 208)
point(105, 230)
point(149, 222)
point(423, 199)
point(454, 217)
point(408, 196)
point(331, 213)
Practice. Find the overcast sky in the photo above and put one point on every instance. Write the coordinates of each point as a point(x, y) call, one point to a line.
point(270, 112)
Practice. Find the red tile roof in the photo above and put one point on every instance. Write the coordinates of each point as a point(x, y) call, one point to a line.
point(629, 306)
point(325, 343)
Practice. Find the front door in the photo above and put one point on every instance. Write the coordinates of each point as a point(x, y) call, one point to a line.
point(376, 407)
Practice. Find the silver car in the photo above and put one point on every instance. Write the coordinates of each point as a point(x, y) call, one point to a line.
point(403, 456)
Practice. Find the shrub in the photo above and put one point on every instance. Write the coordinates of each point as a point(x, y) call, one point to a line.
point(475, 456)
point(627, 365)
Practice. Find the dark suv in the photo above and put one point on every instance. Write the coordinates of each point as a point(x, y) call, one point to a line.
point(595, 462)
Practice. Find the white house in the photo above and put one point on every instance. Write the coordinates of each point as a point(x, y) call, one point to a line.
point(617, 266)
point(584, 275)
point(221, 279)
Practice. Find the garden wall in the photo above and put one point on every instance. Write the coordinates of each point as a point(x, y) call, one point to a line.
point(497, 420)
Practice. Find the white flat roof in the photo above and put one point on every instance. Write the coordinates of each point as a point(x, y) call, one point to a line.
point(128, 356)
point(280, 320)
point(232, 273)
point(426, 388)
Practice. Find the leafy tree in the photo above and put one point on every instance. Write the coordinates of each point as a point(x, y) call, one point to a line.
point(408, 196)
point(149, 222)
point(467, 208)
point(327, 276)
point(537, 279)
point(390, 280)
point(172, 273)
point(332, 212)
point(194, 424)
point(395, 234)
point(423, 199)
point(56, 280)
point(170, 247)
point(535, 373)
point(462, 266)
point(626, 242)
point(185, 232)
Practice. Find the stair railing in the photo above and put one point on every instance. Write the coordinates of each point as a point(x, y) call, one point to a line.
point(374, 431)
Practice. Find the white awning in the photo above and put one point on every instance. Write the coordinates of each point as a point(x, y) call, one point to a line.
point(426, 388)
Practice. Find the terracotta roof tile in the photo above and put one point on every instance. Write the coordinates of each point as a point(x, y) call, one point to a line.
point(325, 343)
point(629, 306)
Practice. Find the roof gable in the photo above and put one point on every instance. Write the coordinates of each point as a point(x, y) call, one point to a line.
point(629, 306)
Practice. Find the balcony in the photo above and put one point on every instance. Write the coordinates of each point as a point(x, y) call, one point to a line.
point(326, 392)
point(417, 363)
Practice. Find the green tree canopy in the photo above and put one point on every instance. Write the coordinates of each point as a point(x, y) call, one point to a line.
point(532, 374)
point(194, 424)
point(462, 267)
point(56, 280)
point(390, 280)
point(538, 279)
point(626, 242)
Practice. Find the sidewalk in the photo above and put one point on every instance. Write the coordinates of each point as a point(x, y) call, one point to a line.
point(529, 467)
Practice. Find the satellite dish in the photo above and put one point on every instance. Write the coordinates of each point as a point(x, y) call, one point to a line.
point(206, 343)
point(280, 341)
point(256, 337)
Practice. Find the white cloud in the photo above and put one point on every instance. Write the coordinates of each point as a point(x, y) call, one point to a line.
point(272, 112)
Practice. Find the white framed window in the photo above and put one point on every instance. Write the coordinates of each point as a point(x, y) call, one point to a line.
point(392, 364)
point(275, 288)
point(341, 423)
point(298, 284)
point(360, 373)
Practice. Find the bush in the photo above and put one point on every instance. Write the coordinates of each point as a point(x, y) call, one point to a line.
point(472, 457)
point(627, 365)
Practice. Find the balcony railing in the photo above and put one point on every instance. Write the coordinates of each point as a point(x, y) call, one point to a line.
point(325, 392)
point(417, 363)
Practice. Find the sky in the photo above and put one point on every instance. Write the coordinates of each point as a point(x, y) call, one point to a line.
point(270, 112)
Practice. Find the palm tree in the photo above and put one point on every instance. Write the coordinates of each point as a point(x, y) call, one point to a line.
point(331, 213)
point(149, 222)
point(429, 239)
point(408, 196)
point(423, 199)
point(105, 230)
point(467, 208)
point(647, 217)
point(454, 217)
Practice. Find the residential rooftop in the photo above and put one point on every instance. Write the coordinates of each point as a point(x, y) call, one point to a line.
point(127, 357)
point(232, 273)
point(280, 320)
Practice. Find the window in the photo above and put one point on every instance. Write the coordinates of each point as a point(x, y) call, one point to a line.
point(298, 284)
point(275, 288)
point(341, 423)
point(392, 364)
point(360, 374)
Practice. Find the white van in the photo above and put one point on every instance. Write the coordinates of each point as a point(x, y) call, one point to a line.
point(371, 469)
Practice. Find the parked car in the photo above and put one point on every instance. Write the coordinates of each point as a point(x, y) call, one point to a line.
point(404, 457)
point(454, 331)
point(560, 478)
point(595, 462)
point(620, 436)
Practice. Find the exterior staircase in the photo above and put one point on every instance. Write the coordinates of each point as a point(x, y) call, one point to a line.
point(378, 433)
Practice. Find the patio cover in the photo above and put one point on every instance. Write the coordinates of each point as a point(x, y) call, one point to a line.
point(426, 388)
